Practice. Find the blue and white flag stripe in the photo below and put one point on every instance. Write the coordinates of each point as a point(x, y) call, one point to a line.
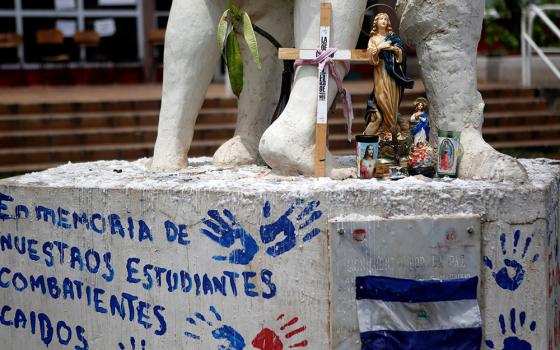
point(407, 314)
point(450, 339)
point(413, 291)
point(376, 315)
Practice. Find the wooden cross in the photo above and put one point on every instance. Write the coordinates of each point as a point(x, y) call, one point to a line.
point(323, 86)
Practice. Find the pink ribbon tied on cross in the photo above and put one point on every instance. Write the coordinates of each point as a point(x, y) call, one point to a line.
point(325, 59)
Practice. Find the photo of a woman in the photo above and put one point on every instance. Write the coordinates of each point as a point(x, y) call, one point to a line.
point(447, 155)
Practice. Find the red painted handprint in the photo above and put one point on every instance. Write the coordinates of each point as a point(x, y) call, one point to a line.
point(268, 339)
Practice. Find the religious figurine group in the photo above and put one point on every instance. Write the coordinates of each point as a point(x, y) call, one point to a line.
point(403, 142)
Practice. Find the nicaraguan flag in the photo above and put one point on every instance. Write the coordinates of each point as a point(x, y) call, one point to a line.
point(401, 314)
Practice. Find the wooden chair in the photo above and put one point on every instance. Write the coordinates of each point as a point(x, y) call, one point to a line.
point(10, 40)
point(50, 42)
point(156, 38)
point(51, 48)
point(89, 38)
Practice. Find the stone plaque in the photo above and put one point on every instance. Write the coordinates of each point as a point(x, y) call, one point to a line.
point(440, 247)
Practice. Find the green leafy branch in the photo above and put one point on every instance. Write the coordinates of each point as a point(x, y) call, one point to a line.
point(235, 21)
point(505, 27)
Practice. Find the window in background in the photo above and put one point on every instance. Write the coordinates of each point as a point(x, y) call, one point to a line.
point(8, 55)
point(7, 5)
point(161, 17)
point(119, 46)
point(163, 5)
point(37, 5)
point(108, 4)
point(122, 44)
point(34, 52)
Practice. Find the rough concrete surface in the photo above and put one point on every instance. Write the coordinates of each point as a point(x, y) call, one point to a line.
point(227, 256)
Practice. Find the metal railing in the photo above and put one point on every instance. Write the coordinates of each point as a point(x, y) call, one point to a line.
point(528, 44)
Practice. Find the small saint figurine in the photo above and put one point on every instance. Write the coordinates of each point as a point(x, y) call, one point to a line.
point(388, 57)
point(421, 160)
point(421, 129)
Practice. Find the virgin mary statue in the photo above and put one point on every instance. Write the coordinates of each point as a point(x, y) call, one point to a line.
point(388, 57)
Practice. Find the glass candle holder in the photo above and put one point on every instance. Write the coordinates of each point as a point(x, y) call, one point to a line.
point(367, 150)
point(449, 145)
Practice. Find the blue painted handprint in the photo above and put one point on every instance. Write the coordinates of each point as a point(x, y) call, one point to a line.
point(232, 339)
point(284, 225)
point(226, 231)
point(142, 345)
point(513, 342)
point(226, 234)
point(503, 277)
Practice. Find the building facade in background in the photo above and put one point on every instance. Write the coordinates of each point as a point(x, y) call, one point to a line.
point(98, 36)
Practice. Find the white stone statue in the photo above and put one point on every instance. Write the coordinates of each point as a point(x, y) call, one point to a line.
point(444, 33)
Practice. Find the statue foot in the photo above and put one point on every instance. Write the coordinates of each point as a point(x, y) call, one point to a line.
point(236, 151)
point(481, 161)
point(169, 162)
point(286, 152)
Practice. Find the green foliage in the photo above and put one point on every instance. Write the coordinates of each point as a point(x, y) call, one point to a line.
point(498, 32)
point(235, 21)
point(251, 39)
point(234, 63)
point(506, 28)
point(223, 27)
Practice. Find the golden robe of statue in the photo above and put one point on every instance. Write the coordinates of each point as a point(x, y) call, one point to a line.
point(386, 55)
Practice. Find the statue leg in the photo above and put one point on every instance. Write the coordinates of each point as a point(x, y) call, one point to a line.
point(445, 35)
point(288, 144)
point(190, 60)
point(261, 89)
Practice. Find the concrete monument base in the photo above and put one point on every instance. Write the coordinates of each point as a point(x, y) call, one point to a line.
point(112, 255)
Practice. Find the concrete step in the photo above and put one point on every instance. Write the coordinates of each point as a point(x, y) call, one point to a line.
point(350, 148)
point(527, 144)
point(337, 123)
point(524, 113)
point(25, 168)
point(105, 119)
point(96, 136)
point(34, 136)
point(503, 137)
point(102, 106)
point(487, 93)
point(492, 105)
point(515, 104)
point(522, 133)
point(143, 103)
point(62, 154)
point(519, 118)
